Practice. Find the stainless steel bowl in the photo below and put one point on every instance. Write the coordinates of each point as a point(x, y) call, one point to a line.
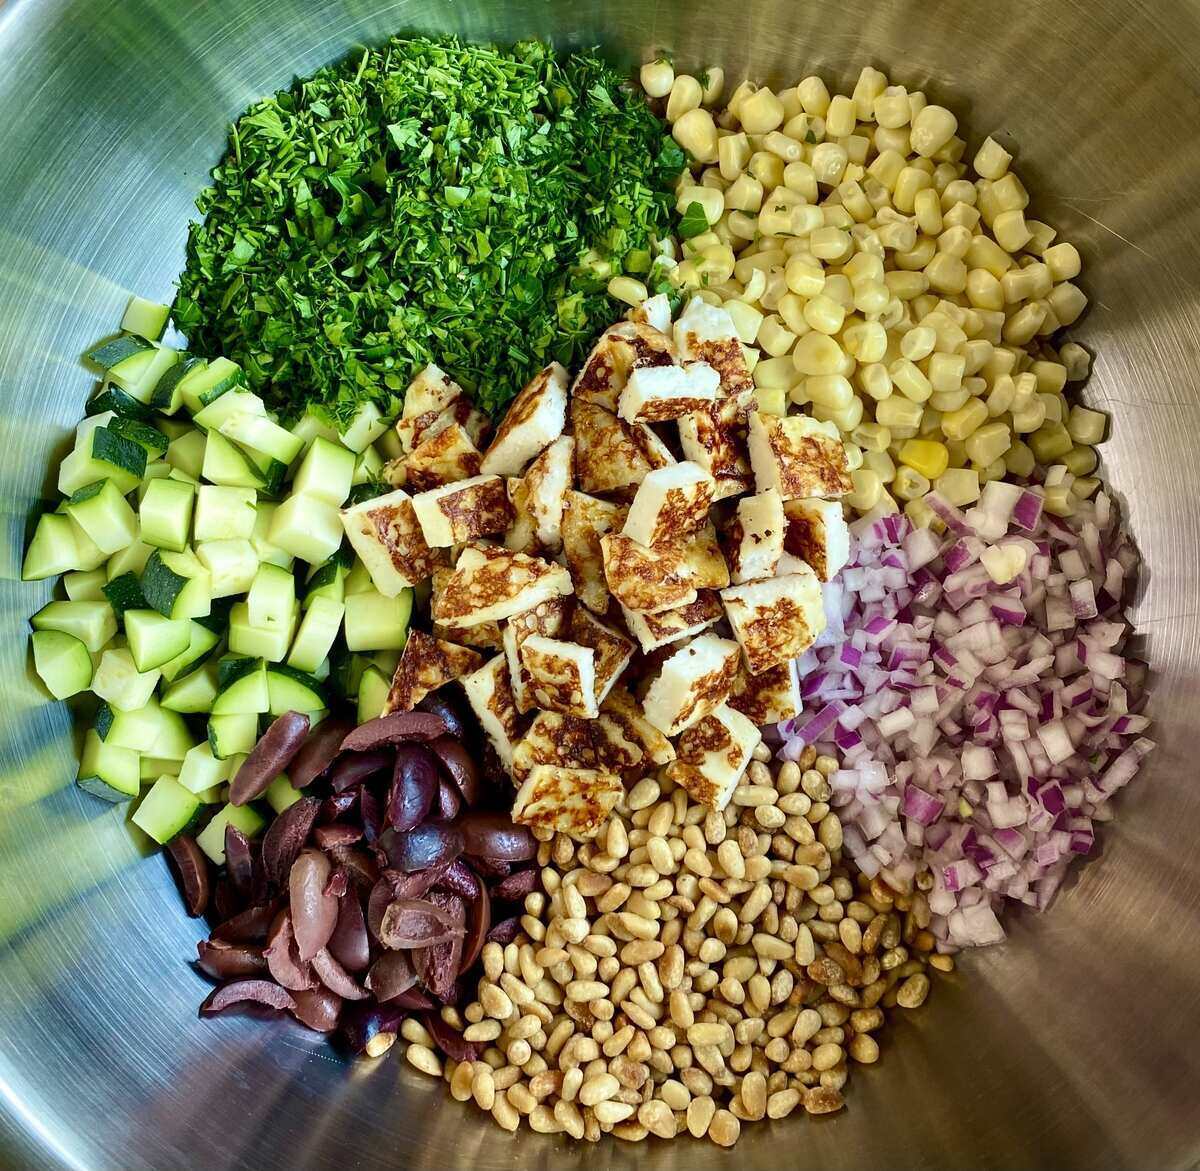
point(1075, 1044)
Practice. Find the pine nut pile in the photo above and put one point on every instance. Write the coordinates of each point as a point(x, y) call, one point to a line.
point(691, 970)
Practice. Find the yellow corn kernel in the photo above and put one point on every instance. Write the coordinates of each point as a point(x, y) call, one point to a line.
point(875, 381)
point(854, 456)
point(1056, 408)
point(867, 488)
point(921, 515)
point(760, 112)
point(733, 153)
point(775, 372)
point(926, 456)
point(909, 380)
point(931, 423)
point(908, 483)
point(1019, 459)
point(1030, 418)
point(918, 343)
point(845, 419)
point(831, 391)
point(1086, 427)
point(625, 288)
point(1049, 442)
point(881, 464)
point(898, 411)
point(950, 400)
point(966, 420)
point(1084, 486)
point(774, 337)
point(872, 436)
point(771, 400)
point(945, 372)
point(1081, 461)
point(988, 443)
point(959, 485)
point(804, 275)
point(817, 353)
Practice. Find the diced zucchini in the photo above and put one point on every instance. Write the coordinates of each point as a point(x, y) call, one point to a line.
point(174, 428)
point(259, 433)
point(211, 839)
point(318, 630)
point(310, 425)
point(194, 692)
point(369, 468)
point(174, 739)
point(62, 661)
point(243, 684)
point(153, 767)
point(232, 565)
point(166, 514)
point(117, 351)
point(267, 551)
point(389, 446)
point(167, 396)
point(131, 559)
point(125, 593)
point(140, 375)
point(177, 585)
point(85, 586)
point(271, 601)
point(328, 580)
point(103, 454)
point(146, 436)
point(107, 771)
point(237, 402)
point(367, 425)
point(374, 622)
point(226, 463)
point(104, 514)
point(358, 580)
point(157, 469)
point(149, 730)
point(293, 691)
point(270, 643)
point(93, 623)
point(325, 473)
point(104, 719)
point(232, 735)
point(90, 555)
point(118, 680)
point(53, 549)
point(201, 643)
point(205, 384)
point(201, 770)
point(307, 528)
point(373, 690)
point(166, 810)
point(145, 318)
point(218, 620)
point(187, 453)
point(155, 640)
point(280, 795)
point(224, 512)
point(121, 402)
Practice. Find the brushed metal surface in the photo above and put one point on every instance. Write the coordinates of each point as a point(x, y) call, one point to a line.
point(1073, 1045)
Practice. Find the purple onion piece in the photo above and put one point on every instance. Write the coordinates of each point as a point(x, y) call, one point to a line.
point(370, 1029)
point(462, 769)
point(449, 1040)
point(432, 844)
point(285, 837)
point(314, 912)
point(438, 703)
point(190, 868)
point(516, 886)
point(269, 757)
point(505, 931)
point(349, 944)
point(261, 992)
point(393, 729)
point(355, 767)
point(229, 961)
point(319, 751)
point(283, 960)
point(449, 802)
point(416, 923)
point(479, 922)
point(390, 976)
point(250, 925)
point(493, 835)
point(317, 1009)
point(414, 785)
point(328, 836)
point(335, 977)
point(239, 860)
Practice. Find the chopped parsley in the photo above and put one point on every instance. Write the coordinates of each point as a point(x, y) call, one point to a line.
point(426, 201)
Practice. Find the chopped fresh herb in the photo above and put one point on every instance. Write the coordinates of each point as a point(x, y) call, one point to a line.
point(424, 201)
point(694, 221)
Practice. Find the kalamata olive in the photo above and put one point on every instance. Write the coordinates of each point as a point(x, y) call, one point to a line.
point(432, 844)
point(414, 1000)
point(438, 703)
point(225, 900)
point(338, 884)
point(414, 784)
point(190, 867)
point(261, 992)
point(319, 751)
point(337, 806)
point(250, 925)
point(491, 867)
point(335, 977)
point(462, 769)
point(371, 813)
point(505, 931)
point(438, 964)
point(239, 860)
point(479, 923)
point(391, 975)
point(327, 836)
point(459, 879)
point(370, 1029)
point(283, 958)
point(269, 757)
point(318, 1009)
point(493, 835)
point(355, 767)
point(349, 944)
point(285, 836)
point(449, 802)
point(415, 923)
point(393, 729)
point(314, 913)
point(449, 1040)
point(361, 867)
point(229, 961)
point(516, 886)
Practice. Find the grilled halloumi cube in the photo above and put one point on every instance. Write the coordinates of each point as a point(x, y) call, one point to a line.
point(612, 650)
point(706, 333)
point(714, 755)
point(655, 312)
point(425, 665)
point(656, 394)
point(488, 588)
point(644, 579)
point(769, 697)
point(798, 456)
point(429, 394)
point(611, 454)
point(571, 801)
point(445, 457)
point(696, 679)
point(702, 551)
point(817, 533)
point(486, 635)
point(775, 620)
point(670, 504)
point(754, 541)
point(548, 619)
point(585, 520)
point(535, 419)
point(458, 512)
point(489, 692)
point(388, 539)
point(548, 481)
point(622, 349)
point(625, 723)
point(715, 438)
point(657, 630)
point(522, 532)
point(560, 676)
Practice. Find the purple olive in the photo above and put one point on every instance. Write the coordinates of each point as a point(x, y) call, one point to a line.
point(433, 844)
point(505, 931)
point(327, 836)
point(516, 886)
point(229, 961)
point(247, 992)
point(239, 860)
point(438, 964)
point(335, 977)
point(463, 770)
point(190, 867)
point(355, 767)
point(337, 806)
point(449, 1040)
point(491, 867)
point(460, 879)
point(317, 1009)
point(479, 923)
point(285, 837)
point(319, 751)
point(361, 867)
point(393, 729)
point(338, 884)
point(390, 976)
point(414, 784)
point(372, 814)
point(370, 1029)
point(414, 1000)
point(349, 944)
point(449, 802)
point(251, 925)
point(493, 835)
point(438, 703)
point(269, 757)
point(314, 912)
point(283, 960)
point(416, 923)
